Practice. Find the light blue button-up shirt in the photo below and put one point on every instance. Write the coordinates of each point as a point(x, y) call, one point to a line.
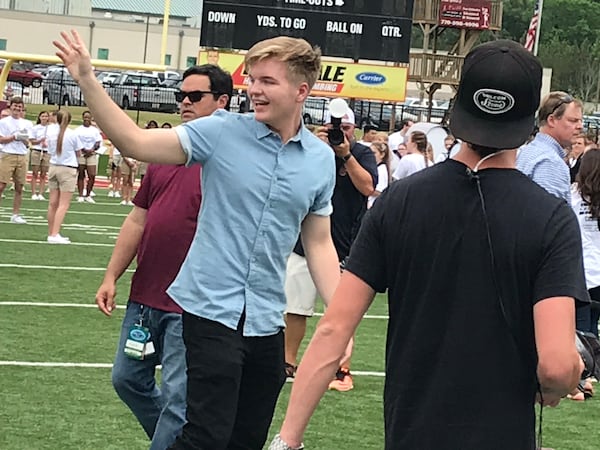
point(256, 191)
point(542, 160)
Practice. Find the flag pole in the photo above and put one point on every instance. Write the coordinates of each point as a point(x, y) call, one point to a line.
point(539, 28)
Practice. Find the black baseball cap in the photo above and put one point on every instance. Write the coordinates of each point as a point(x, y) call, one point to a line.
point(498, 95)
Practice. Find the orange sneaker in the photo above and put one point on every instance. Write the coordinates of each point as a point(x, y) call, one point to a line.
point(343, 380)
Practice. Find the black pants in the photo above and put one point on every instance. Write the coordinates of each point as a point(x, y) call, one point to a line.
point(587, 315)
point(232, 387)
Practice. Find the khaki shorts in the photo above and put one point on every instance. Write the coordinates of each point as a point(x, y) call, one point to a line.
point(62, 178)
point(125, 169)
point(89, 161)
point(300, 290)
point(40, 158)
point(142, 167)
point(117, 160)
point(13, 167)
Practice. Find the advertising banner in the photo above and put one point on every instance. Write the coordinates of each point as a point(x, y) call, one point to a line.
point(471, 14)
point(338, 79)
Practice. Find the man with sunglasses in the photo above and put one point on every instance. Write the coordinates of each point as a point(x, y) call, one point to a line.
point(560, 118)
point(160, 229)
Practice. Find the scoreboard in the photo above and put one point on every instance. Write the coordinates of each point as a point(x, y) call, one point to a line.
point(358, 29)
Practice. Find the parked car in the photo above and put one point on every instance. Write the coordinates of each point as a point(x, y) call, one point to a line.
point(379, 114)
point(108, 78)
point(591, 122)
point(133, 90)
point(168, 76)
point(22, 73)
point(314, 110)
point(420, 108)
point(59, 88)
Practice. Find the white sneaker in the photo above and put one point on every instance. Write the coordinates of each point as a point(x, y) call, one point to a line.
point(111, 194)
point(129, 203)
point(41, 197)
point(58, 239)
point(80, 200)
point(92, 194)
point(34, 197)
point(16, 218)
point(117, 194)
point(90, 200)
point(124, 203)
point(63, 237)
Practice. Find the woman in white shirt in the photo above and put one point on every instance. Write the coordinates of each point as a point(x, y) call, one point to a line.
point(39, 157)
point(416, 158)
point(585, 201)
point(382, 156)
point(63, 147)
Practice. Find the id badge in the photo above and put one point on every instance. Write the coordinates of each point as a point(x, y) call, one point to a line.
point(137, 339)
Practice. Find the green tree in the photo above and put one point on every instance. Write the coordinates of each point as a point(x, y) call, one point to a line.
point(569, 45)
point(516, 15)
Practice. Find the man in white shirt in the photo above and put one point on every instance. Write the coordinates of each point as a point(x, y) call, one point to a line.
point(399, 137)
point(14, 138)
point(88, 161)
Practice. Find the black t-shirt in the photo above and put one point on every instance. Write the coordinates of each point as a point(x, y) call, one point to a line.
point(455, 378)
point(349, 205)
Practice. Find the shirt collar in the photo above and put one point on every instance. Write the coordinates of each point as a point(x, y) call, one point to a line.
point(301, 137)
point(546, 139)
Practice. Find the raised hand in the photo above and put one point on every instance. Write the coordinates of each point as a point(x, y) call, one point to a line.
point(74, 55)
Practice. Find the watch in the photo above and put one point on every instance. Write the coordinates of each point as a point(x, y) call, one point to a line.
point(347, 157)
point(279, 444)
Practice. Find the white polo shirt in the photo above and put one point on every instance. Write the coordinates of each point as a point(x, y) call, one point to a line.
point(9, 127)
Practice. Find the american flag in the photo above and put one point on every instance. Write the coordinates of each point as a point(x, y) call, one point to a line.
point(533, 28)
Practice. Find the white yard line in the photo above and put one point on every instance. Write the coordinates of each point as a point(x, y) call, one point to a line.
point(86, 305)
point(366, 316)
point(80, 244)
point(7, 210)
point(69, 226)
point(55, 364)
point(57, 305)
point(108, 366)
point(29, 266)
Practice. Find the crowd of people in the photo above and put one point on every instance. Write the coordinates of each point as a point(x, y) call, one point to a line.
point(488, 253)
point(39, 146)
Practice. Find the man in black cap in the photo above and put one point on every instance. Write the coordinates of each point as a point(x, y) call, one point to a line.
point(494, 293)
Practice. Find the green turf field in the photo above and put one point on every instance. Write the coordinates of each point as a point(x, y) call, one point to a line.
point(56, 350)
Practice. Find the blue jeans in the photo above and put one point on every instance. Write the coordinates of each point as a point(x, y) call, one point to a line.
point(160, 411)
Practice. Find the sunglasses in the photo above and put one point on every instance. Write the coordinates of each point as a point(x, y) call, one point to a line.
point(564, 100)
point(193, 96)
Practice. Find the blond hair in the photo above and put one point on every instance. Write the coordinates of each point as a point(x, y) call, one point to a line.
point(302, 60)
point(63, 118)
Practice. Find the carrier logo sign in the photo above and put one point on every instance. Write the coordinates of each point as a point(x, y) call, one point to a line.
point(372, 78)
point(492, 101)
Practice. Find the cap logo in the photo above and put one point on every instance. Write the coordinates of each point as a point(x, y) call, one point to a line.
point(493, 101)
